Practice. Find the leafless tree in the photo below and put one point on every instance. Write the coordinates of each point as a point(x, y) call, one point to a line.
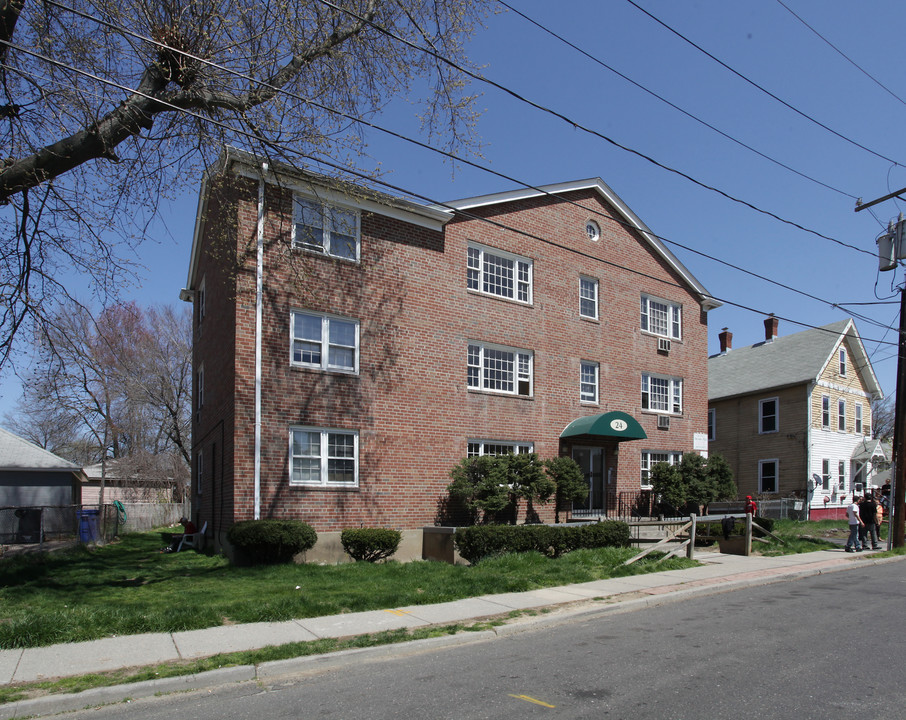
point(114, 387)
point(106, 106)
point(882, 418)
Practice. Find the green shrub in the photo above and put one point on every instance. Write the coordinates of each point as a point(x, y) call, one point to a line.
point(481, 541)
point(271, 541)
point(370, 544)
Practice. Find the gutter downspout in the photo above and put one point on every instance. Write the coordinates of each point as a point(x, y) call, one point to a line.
point(809, 494)
point(259, 293)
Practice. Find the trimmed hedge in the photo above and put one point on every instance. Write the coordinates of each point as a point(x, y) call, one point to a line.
point(481, 541)
point(370, 544)
point(265, 542)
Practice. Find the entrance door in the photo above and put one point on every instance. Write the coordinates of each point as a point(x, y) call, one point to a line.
point(591, 460)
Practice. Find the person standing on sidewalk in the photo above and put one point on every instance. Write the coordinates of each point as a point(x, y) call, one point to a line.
point(868, 513)
point(855, 522)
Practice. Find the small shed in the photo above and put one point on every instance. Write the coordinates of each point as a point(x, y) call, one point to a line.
point(31, 476)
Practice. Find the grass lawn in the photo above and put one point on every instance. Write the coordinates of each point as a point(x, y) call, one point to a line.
point(130, 587)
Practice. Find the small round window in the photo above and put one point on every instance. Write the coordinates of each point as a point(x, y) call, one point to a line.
point(592, 230)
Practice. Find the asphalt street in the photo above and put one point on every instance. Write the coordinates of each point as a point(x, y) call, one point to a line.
point(825, 647)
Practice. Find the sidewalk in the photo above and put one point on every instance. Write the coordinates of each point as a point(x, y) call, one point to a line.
point(718, 573)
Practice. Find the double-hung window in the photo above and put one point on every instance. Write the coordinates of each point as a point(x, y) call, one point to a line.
point(325, 342)
point(712, 424)
point(768, 476)
point(661, 317)
point(768, 420)
point(842, 361)
point(588, 381)
point(498, 447)
point(825, 474)
point(325, 229)
point(825, 412)
point(588, 298)
point(494, 272)
point(496, 368)
point(858, 418)
point(323, 457)
point(662, 394)
point(650, 458)
point(841, 415)
point(841, 474)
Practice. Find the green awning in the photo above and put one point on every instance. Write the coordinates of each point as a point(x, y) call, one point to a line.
point(615, 425)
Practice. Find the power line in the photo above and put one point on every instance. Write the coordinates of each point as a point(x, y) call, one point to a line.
point(388, 185)
point(762, 89)
point(843, 54)
point(674, 106)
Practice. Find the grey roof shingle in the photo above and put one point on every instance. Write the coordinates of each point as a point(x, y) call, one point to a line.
point(787, 360)
point(19, 454)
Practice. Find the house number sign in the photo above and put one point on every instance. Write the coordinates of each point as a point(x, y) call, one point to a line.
point(618, 425)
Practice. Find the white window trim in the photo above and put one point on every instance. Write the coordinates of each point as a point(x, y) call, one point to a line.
point(199, 388)
point(516, 259)
point(324, 365)
point(674, 317)
point(323, 474)
point(518, 375)
point(825, 412)
point(674, 388)
point(712, 424)
point(327, 209)
point(595, 287)
point(201, 295)
point(841, 414)
point(841, 475)
point(825, 474)
point(761, 416)
point(592, 400)
point(519, 448)
point(761, 464)
point(673, 458)
point(842, 362)
point(860, 425)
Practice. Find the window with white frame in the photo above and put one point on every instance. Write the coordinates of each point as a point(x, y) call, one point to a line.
point(842, 361)
point(661, 317)
point(199, 389)
point(841, 475)
point(323, 457)
point(325, 342)
point(588, 297)
point(327, 229)
point(498, 447)
point(650, 458)
point(712, 421)
point(588, 381)
point(825, 412)
point(858, 418)
point(841, 415)
point(495, 368)
point(494, 272)
point(768, 420)
point(201, 300)
point(662, 394)
point(825, 474)
point(768, 476)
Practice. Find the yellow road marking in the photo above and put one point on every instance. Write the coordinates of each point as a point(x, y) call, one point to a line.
point(399, 612)
point(531, 700)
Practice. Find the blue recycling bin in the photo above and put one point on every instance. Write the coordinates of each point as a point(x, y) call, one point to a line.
point(88, 525)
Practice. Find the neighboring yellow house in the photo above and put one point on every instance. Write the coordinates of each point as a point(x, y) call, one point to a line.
point(792, 415)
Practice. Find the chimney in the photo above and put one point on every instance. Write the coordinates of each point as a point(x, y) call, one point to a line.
point(770, 328)
point(726, 341)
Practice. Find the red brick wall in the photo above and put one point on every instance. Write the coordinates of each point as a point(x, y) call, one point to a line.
point(410, 403)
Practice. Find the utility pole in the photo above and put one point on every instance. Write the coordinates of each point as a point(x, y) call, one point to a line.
point(892, 248)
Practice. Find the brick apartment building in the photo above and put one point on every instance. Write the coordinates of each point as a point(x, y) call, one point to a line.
point(350, 347)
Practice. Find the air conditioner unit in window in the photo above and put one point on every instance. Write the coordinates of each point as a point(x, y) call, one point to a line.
point(663, 422)
point(663, 345)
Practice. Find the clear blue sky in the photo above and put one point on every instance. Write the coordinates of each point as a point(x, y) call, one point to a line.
point(760, 40)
